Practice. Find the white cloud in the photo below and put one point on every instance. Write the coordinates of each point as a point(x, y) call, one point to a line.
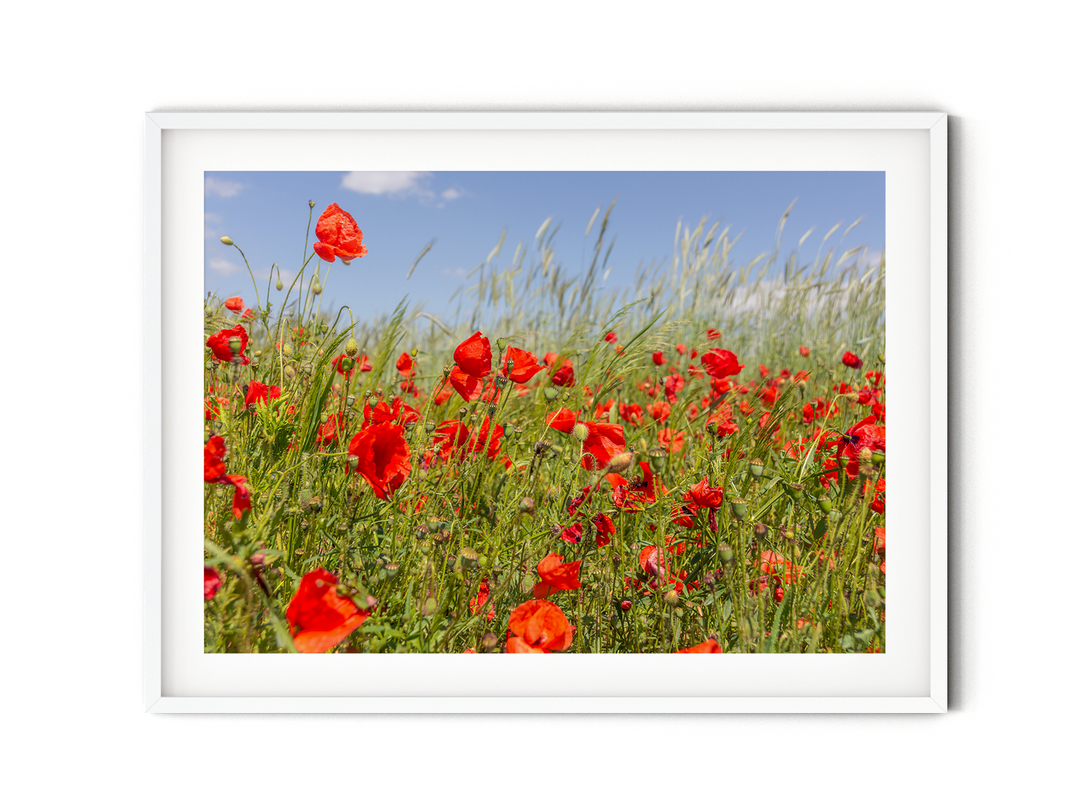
point(455, 272)
point(222, 188)
point(398, 184)
point(210, 232)
point(451, 194)
point(223, 267)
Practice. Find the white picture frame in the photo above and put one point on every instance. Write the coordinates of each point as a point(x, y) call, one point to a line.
point(912, 677)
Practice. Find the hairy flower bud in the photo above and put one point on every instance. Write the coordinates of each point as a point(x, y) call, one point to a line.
point(351, 348)
point(226, 240)
point(581, 431)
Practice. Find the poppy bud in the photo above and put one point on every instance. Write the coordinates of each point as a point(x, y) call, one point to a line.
point(527, 506)
point(279, 286)
point(671, 598)
point(287, 350)
point(469, 557)
point(311, 203)
point(620, 462)
point(757, 467)
point(209, 365)
point(351, 348)
point(290, 372)
point(625, 604)
point(726, 552)
point(226, 240)
point(347, 364)
point(865, 455)
point(738, 507)
point(581, 431)
point(316, 287)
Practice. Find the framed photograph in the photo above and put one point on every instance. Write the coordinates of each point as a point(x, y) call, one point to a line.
point(597, 386)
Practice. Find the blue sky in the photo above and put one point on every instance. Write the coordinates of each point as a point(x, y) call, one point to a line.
point(266, 214)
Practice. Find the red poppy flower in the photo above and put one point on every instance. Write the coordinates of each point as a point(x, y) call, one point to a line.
point(211, 582)
point(525, 365)
point(659, 411)
point(713, 334)
point(637, 494)
point(851, 360)
point(214, 459)
point(260, 392)
point(602, 442)
point(342, 360)
point(221, 344)
point(658, 358)
point(571, 534)
point(562, 420)
point(405, 365)
point(611, 337)
point(338, 235)
point(707, 646)
point(328, 430)
point(605, 529)
point(241, 501)
point(555, 576)
point(671, 441)
point(680, 348)
point(721, 363)
point(704, 496)
point(236, 303)
point(563, 376)
point(318, 618)
point(480, 600)
point(539, 627)
point(632, 413)
point(383, 457)
point(473, 356)
point(472, 388)
point(248, 315)
point(805, 352)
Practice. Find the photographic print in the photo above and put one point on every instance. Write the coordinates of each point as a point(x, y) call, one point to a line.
point(555, 412)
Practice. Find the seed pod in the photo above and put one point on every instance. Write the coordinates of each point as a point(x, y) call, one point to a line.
point(550, 394)
point(761, 531)
point(392, 570)
point(738, 507)
point(757, 467)
point(469, 557)
point(353, 462)
point(527, 506)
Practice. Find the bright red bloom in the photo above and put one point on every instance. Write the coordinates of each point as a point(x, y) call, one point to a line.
point(851, 360)
point(713, 334)
point(211, 582)
point(236, 303)
point(680, 348)
point(399, 412)
point(721, 363)
point(260, 392)
point(343, 360)
point(707, 646)
point(241, 501)
point(672, 442)
point(214, 459)
point(632, 413)
point(480, 600)
point(220, 344)
point(805, 352)
point(605, 529)
point(562, 420)
point(525, 365)
point(704, 496)
point(405, 365)
point(658, 358)
point(659, 411)
point(473, 356)
point(611, 337)
point(562, 376)
point(383, 457)
point(328, 430)
point(472, 388)
point(602, 442)
point(319, 619)
point(781, 570)
point(555, 576)
point(637, 494)
point(602, 409)
point(338, 235)
point(539, 627)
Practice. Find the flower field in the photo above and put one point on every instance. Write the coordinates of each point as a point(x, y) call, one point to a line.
point(696, 465)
